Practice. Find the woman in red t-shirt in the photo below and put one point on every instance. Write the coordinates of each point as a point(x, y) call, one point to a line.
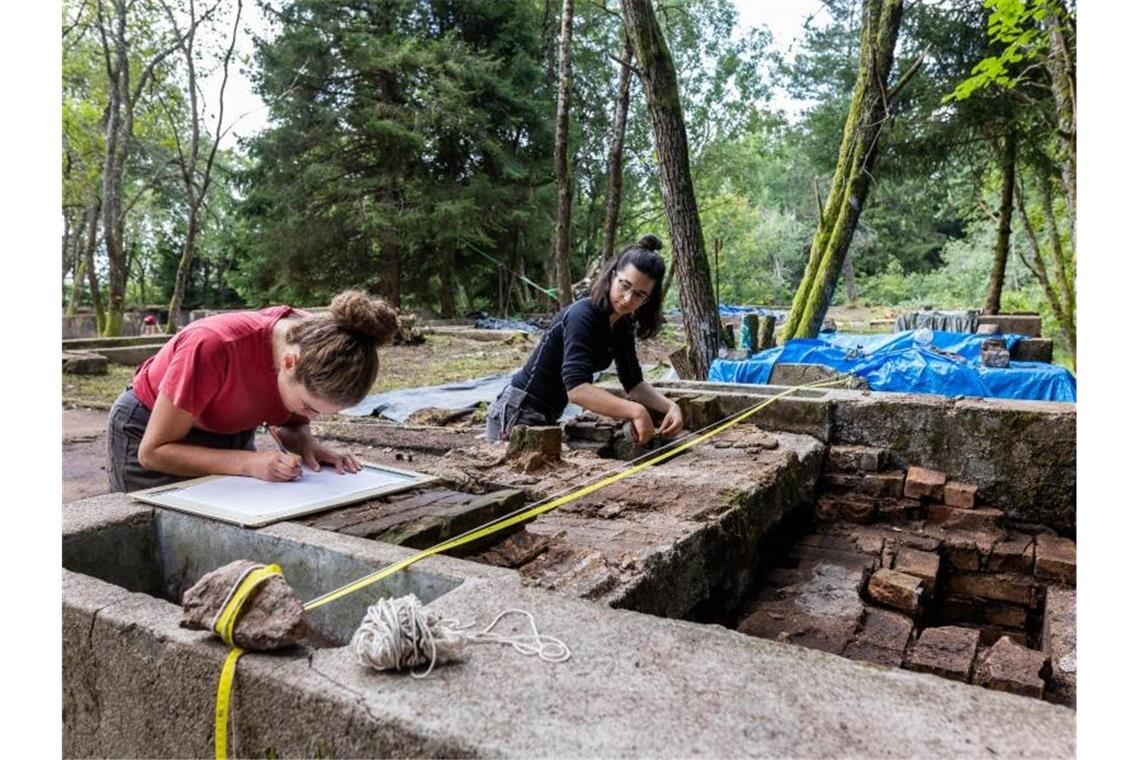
point(193, 407)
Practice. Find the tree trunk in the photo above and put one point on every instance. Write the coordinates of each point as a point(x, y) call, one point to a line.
point(1005, 216)
point(118, 137)
point(73, 250)
point(849, 281)
point(562, 161)
point(659, 83)
point(94, 205)
point(389, 269)
point(1066, 317)
point(1061, 63)
point(613, 162)
point(851, 182)
point(447, 282)
point(123, 97)
point(195, 181)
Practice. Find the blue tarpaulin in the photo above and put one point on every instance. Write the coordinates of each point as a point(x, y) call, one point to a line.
point(894, 362)
point(730, 310)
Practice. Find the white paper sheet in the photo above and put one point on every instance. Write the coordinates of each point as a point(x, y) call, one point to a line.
point(250, 501)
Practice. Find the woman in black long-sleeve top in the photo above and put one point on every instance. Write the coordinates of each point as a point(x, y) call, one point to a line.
point(584, 338)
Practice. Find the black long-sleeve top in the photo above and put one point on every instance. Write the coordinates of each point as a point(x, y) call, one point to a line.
point(578, 343)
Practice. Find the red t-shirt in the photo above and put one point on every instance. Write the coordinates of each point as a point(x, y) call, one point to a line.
point(220, 369)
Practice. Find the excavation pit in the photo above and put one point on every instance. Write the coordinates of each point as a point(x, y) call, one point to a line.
point(688, 541)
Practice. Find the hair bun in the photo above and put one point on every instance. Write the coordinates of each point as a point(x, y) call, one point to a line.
point(650, 242)
point(357, 312)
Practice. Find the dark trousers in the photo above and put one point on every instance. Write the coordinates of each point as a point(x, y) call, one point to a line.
point(125, 427)
point(514, 406)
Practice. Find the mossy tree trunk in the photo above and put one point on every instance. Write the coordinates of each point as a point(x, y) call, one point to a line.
point(614, 163)
point(659, 83)
point(866, 118)
point(1062, 65)
point(562, 160)
point(1005, 218)
point(1058, 288)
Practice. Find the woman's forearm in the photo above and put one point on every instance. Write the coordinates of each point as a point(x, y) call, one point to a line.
point(591, 397)
point(648, 396)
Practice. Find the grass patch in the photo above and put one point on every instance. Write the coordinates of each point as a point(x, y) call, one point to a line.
point(97, 391)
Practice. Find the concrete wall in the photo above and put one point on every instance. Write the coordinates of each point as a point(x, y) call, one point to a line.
point(137, 685)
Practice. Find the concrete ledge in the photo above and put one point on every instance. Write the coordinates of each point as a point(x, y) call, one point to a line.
point(137, 685)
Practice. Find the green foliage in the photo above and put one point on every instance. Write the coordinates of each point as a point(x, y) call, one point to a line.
point(400, 130)
point(1018, 25)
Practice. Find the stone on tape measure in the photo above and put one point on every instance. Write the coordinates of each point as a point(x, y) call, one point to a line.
point(273, 616)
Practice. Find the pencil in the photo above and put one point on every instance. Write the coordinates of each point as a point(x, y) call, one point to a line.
point(277, 440)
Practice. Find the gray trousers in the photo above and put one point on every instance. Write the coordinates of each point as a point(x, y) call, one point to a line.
point(125, 427)
point(514, 406)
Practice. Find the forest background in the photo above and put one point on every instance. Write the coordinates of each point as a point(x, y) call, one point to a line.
point(409, 145)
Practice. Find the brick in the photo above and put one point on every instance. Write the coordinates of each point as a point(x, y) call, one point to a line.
point(889, 484)
point(922, 565)
point(841, 458)
point(1056, 559)
point(981, 518)
point(886, 629)
point(895, 589)
point(856, 509)
point(1008, 615)
point(960, 495)
point(1008, 666)
point(1014, 555)
point(1059, 644)
point(998, 587)
point(882, 638)
point(827, 509)
point(844, 481)
point(947, 651)
point(923, 483)
point(962, 556)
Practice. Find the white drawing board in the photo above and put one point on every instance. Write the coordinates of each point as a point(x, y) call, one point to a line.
point(254, 503)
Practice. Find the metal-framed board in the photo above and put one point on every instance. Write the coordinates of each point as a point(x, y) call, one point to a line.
point(255, 503)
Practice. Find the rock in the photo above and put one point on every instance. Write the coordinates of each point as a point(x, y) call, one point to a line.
point(273, 616)
point(1059, 642)
point(84, 363)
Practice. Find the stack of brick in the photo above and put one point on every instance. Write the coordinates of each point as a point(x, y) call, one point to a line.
point(952, 590)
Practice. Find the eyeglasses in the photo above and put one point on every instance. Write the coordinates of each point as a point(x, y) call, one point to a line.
point(627, 287)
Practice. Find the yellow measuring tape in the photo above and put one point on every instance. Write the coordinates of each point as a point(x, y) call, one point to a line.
point(224, 625)
point(221, 713)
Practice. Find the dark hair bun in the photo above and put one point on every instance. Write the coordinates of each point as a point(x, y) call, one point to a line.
point(650, 242)
point(357, 312)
